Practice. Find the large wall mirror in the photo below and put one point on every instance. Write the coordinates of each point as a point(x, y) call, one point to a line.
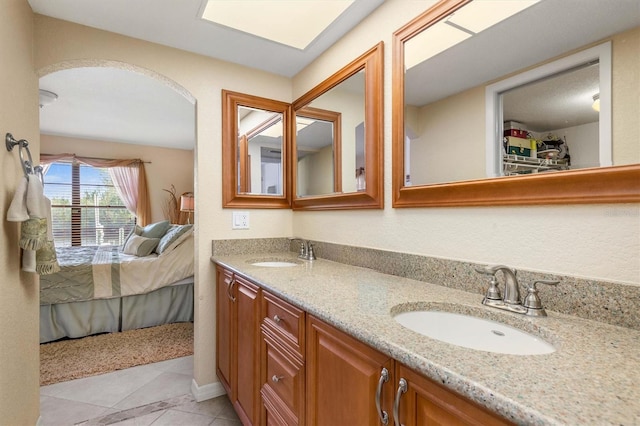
point(255, 154)
point(337, 143)
point(486, 112)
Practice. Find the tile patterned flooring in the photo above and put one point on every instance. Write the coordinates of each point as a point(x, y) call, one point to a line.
point(155, 394)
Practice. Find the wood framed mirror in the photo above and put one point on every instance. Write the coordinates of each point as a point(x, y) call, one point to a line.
point(255, 152)
point(347, 172)
point(481, 61)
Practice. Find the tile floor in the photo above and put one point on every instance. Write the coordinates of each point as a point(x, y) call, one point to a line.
point(154, 394)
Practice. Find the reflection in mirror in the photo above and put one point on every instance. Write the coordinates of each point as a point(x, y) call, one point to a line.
point(260, 138)
point(339, 164)
point(449, 129)
point(255, 148)
point(549, 119)
point(319, 151)
point(345, 145)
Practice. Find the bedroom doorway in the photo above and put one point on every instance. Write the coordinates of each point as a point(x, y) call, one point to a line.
point(112, 110)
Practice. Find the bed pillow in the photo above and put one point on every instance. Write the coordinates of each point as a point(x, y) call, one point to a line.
point(172, 235)
point(135, 231)
point(140, 246)
point(155, 230)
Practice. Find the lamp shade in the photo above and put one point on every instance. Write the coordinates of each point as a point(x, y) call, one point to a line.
point(186, 202)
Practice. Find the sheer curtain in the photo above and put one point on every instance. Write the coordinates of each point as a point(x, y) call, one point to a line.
point(128, 176)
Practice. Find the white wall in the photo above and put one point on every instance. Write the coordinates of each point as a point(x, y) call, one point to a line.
point(583, 144)
point(592, 241)
point(19, 302)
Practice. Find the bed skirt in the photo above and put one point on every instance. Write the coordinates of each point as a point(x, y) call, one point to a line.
point(166, 305)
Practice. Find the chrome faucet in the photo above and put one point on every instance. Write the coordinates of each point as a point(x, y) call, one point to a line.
point(306, 249)
point(532, 305)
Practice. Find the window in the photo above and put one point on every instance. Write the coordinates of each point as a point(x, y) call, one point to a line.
point(86, 209)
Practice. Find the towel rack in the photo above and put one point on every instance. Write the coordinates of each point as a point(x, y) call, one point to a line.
point(27, 164)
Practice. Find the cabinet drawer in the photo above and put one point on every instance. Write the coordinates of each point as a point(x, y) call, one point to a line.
point(285, 320)
point(282, 379)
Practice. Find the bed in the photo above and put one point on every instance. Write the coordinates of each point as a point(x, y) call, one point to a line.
point(103, 289)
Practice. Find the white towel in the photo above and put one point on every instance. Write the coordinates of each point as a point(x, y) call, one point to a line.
point(18, 209)
point(36, 201)
point(29, 260)
point(33, 209)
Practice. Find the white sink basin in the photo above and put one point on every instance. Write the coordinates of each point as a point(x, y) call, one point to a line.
point(275, 264)
point(474, 333)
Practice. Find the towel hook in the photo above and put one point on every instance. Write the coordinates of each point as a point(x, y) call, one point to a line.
point(23, 144)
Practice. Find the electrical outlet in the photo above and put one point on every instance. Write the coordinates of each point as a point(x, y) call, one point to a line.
point(240, 220)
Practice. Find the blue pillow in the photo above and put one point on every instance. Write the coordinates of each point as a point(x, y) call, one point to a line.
point(172, 235)
point(155, 230)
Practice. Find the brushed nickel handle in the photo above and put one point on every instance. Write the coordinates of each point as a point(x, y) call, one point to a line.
point(384, 378)
point(230, 290)
point(276, 379)
point(402, 388)
point(277, 319)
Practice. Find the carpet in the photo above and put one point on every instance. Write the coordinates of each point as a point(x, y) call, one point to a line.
point(89, 356)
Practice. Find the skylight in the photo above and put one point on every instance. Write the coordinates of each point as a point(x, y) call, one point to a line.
point(292, 22)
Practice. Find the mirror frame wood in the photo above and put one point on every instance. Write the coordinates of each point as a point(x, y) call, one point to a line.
point(617, 184)
point(372, 62)
point(230, 196)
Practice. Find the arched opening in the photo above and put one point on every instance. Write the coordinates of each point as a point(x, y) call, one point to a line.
point(154, 119)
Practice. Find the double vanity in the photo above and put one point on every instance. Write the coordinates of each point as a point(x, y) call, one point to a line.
point(314, 339)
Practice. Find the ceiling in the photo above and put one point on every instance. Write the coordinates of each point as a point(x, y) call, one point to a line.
point(121, 106)
point(177, 23)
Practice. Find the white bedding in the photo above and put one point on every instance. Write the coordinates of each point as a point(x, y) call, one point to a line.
point(105, 272)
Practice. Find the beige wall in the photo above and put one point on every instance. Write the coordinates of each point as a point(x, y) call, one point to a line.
point(19, 332)
point(593, 241)
point(447, 149)
point(61, 44)
point(166, 167)
point(625, 97)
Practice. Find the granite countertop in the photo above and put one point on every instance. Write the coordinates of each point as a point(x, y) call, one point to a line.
point(592, 378)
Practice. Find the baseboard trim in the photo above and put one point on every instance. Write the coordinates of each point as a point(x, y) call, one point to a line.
point(208, 391)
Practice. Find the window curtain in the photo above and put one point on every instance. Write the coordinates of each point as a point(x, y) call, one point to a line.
point(128, 176)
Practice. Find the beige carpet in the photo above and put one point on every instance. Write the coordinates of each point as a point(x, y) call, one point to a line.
point(93, 355)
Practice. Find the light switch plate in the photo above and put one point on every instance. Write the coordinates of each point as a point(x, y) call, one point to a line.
point(240, 220)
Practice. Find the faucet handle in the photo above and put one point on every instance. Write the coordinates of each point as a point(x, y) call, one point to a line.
point(303, 250)
point(310, 254)
point(532, 301)
point(493, 292)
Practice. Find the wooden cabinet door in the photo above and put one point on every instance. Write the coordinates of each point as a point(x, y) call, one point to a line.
point(225, 350)
point(247, 308)
point(342, 378)
point(425, 402)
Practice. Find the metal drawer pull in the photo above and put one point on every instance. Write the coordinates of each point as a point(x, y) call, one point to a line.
point(402, 388)
point(230, 290)
point(384, 378)
point(276, 379)
point(277, 319)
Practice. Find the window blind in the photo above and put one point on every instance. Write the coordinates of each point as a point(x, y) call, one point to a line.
point(85, 206)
